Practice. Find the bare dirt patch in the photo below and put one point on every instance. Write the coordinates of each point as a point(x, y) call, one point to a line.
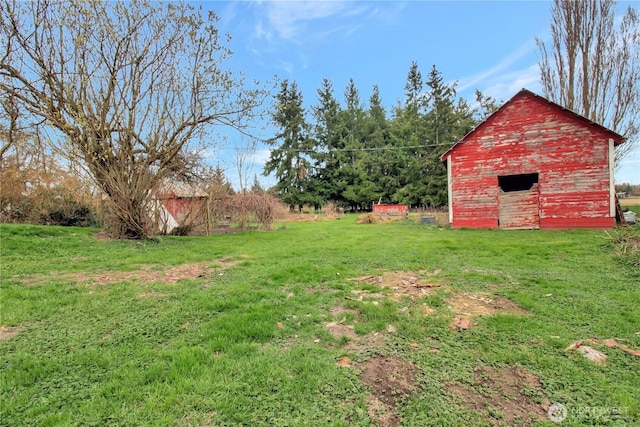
point(147, 274)
point(403, 283)
point(341, 312)
point(483, 304)
point(381, 412)
point(7, 332)
point(504, 396)
point(366, 343)
point(339, 331)
point(466, 306)
point(390, 378)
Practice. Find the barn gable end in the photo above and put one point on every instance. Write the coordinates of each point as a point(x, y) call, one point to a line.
point(533, 164)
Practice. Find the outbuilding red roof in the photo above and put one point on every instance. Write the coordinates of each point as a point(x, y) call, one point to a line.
point(617, 138)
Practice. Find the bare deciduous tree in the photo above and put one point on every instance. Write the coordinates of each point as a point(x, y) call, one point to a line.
point(593, 66)
point(127, 86)
point(245, 150)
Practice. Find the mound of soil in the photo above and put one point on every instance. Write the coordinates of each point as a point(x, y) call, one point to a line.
point(504, 396)
point(390, 378)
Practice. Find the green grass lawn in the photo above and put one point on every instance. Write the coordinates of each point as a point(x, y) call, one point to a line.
point(271, 329)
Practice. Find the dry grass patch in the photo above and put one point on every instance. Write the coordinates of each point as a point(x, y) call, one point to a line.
point(630, 201)
point(146, 274)
point(483, 304)
point(403, 283)
point(7, 332)
point(469, 305)
point(371, 218)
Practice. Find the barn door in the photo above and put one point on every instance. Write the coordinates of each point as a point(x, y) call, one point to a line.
point(518, 201)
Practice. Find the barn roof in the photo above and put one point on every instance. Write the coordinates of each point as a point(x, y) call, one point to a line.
point(617, 138)
point(179, 189)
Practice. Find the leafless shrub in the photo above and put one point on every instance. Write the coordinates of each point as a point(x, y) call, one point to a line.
point(36, 189)
point(331, 210)
point(245, 209)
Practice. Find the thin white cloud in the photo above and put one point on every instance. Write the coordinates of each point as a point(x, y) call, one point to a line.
point(290, 19)
point(298, 22)
point(503, 86)
point(496, 73)
point(260, 156)
point(280, 26)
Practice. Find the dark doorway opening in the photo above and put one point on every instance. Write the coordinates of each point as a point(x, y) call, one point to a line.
point(521, 182)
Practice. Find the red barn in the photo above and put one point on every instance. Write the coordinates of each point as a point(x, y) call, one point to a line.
point(533, 164)
point(179, 204)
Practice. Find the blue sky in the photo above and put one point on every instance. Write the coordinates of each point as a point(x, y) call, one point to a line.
point(485, 45)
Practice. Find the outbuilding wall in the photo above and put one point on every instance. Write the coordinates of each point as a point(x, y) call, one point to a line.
point(529, 135)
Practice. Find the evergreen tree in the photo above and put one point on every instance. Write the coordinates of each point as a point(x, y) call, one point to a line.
point(487, 105)
point(447, 122)
point(354, 156)
point(326, 139)
point(378, 169)
point(409, 130)
point(218, 186)
point(256, 188)
point(414, 87)
point(289, 159)
point(352, 145)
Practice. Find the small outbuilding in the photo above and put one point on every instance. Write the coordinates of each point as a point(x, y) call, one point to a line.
point(180, 207)
point(533, 164)
point(391, 210)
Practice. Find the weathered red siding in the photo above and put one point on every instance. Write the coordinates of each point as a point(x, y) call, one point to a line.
point(390, 209)
point(530, 135)
point(185, 208)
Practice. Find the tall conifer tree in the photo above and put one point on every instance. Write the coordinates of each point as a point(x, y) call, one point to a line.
point(289, 159)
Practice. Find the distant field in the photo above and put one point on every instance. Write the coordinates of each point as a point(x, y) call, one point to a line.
point(323, 322)
point(630, 201)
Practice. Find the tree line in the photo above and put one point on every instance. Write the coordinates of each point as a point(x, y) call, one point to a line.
point(352, 154)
